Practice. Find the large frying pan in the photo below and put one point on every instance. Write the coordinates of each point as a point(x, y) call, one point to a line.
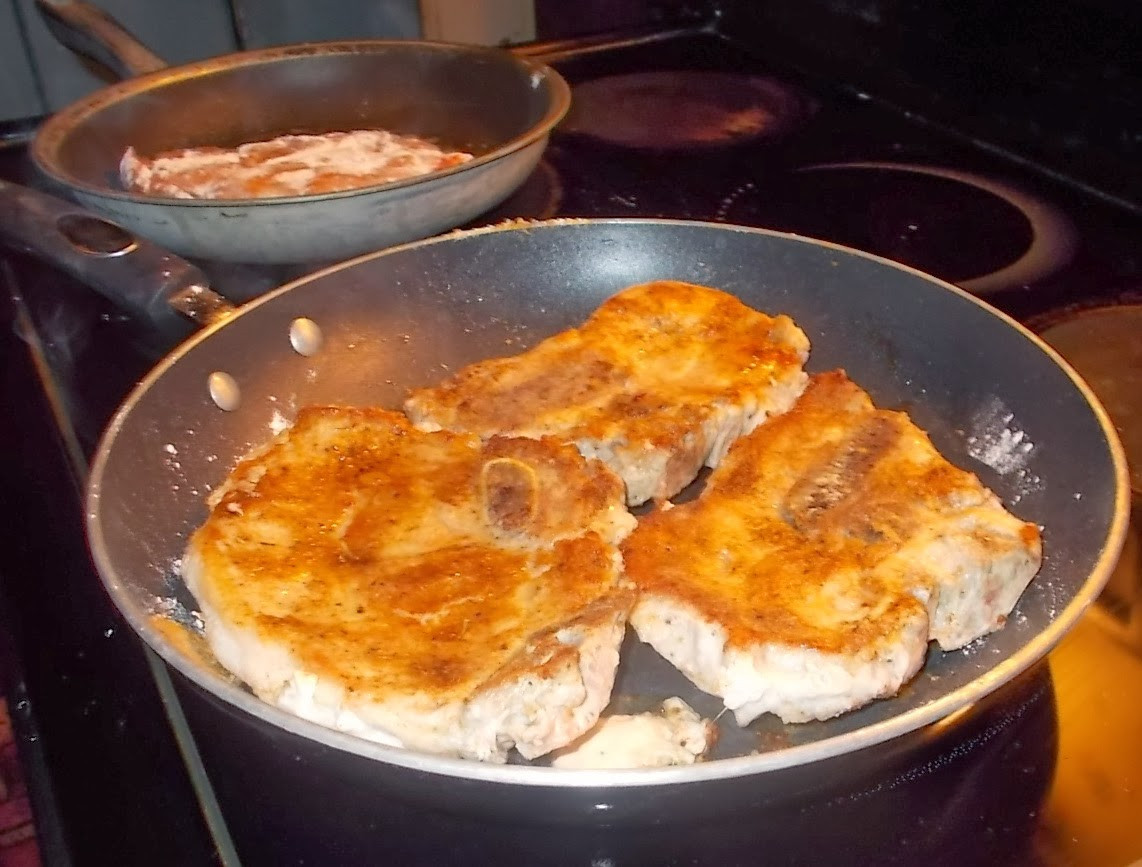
point(365, 331)
point(483, 100)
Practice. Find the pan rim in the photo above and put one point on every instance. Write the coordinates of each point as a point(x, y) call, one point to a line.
point(60, 126)
point(720, 769)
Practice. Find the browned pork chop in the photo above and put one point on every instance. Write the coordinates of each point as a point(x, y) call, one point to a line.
point(656, 383)
point(429, 590)
point(826, 550)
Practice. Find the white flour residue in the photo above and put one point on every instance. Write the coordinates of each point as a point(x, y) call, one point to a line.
point(172, 463)
point(971, 647)
point(281, 419)
point(995, 440)
point(1027, 482)
point(278, 422)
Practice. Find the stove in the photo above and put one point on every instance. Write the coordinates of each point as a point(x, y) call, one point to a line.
point(706, 121)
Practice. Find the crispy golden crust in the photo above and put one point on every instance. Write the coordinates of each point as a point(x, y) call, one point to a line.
point(396, 562)
point(652, 369)
point(795, 539)
point(648, 364)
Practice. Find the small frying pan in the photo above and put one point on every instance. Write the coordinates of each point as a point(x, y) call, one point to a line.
point(994, 398)
point(485, 101)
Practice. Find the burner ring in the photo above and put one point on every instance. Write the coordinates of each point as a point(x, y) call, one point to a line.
point(1054, 238)
point(980, 233)
point(678, 110)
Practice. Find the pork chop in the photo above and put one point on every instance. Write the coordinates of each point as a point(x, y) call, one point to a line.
point(428, 590)
point(656, 383)
point(825, 552)
point(288, 165)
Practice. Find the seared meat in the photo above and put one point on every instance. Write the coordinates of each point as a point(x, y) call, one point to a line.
point(827, 549)
point(657, 382)
point(423, 589)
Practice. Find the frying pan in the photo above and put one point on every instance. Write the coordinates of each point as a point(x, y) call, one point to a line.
point(365, 331)
point(486, 101)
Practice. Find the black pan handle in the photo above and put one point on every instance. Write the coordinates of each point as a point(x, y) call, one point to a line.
point(18, 131)
point(140, 277)
point(90, 32)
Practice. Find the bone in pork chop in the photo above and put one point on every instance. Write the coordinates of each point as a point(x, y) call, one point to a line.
point(429, 590)
point(656, 383)
point(827, 549)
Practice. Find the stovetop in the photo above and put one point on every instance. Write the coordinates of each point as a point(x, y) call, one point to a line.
point(130, 764)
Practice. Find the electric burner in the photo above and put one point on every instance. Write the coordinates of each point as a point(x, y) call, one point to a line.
point(972, 230)
point(671, 110)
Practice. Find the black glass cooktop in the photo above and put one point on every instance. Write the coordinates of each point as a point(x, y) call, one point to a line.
point(130, 768)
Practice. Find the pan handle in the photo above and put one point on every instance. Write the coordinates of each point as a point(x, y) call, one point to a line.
point(18, 132)
point(90, 32)
point(138, 276)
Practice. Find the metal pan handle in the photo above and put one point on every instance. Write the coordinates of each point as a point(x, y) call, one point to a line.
point(90, 32)
point(141, 278)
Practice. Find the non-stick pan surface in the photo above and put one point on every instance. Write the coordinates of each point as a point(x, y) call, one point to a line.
point(995, 400)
